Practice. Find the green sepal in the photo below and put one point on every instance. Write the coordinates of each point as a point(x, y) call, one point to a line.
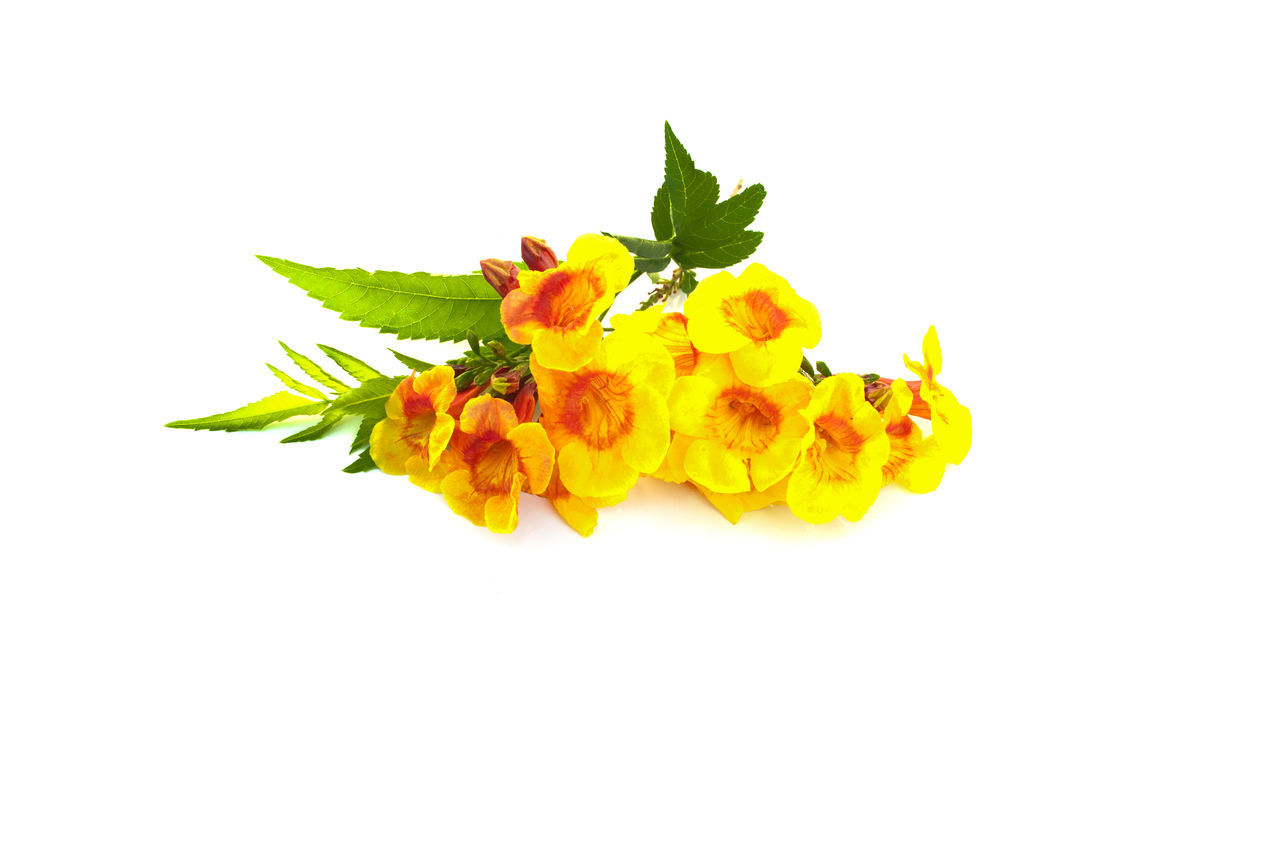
point(647, 266)
point(254, 416)
point(353, 366)
point(313, 370)
point(296, 385)
point(411, 306)
point(644, 248)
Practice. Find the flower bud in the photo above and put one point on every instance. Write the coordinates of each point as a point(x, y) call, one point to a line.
point(504, 381)
point(525, 401)
point(502, 275)
point(537, 255)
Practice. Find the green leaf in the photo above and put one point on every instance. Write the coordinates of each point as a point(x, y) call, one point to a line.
point(411, 306)
point(364, 432)
point(661, 215)
point(318, 430)
point(353, 366)
point(647, 266)
point(701, 232)
point(724, 255)
point(412, 362)
point(296, 385)
point(313, 370)
point(368, 399)
point(363, 463)
point(252, 417)
point(691, 193)
point(688, 281)
point(646, 248)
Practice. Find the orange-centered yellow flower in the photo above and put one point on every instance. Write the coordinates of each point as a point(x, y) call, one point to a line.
point(670, 329)
point(495, 456)
point(579, 512)
point(839, 473)
point(914, 461)
point(952, 422)
point(557, 311)
point(608, 420)
point(757, 319)
point(418, 426)
point(743, 437)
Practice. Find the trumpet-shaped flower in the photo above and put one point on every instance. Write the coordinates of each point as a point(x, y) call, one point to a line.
point(743, 437)
point(844, 451)
point(418, 425)
point(734, 505)
point(580, 512)
point(670, 329)
point(608, 419)
point(952, 422)
point(755, 318)
point(494, 456)
point(557, 311)
point(915, 461)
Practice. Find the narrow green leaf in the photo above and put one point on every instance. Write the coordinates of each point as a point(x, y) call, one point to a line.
point(252, 417)
point(368, 399)
point(313, 370)
point(412, 362)
point(318, 430)
point(296, 385)
point(364, 432)
point(411, 306)
point(363, 463)
point(353, 366)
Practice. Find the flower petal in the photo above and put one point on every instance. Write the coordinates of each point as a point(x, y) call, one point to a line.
point(712, 467)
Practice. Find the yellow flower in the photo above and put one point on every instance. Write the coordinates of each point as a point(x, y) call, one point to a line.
point(418, 426)
point(743, 437)
point(914, 461)
point(579, 512)
point(608, 420)
point(839, 473)
point(670, 329)
point(755, 318)
point(557, 311)
point(734, 505)
point(952, 423)
point(494, 456)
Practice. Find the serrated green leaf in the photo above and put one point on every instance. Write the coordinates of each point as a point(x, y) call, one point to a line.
point(725, 220)
point(411, 306)
point(724, 255)
point(363, 463)
point(314, 371)
point(368, 399)
point(353, 366)
point(251, 417)
point(318, 430)
point(296, 385)
point(364, 432)
point(412, 362)
point(661, 215)
point(692, 192)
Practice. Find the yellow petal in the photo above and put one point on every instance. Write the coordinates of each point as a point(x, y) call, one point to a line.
point(711, 466)
point(537, 457)
point(603, 256)
point(589, 473)
point(567, 350)
point(461, 496)
point(690, 403)
point(488, 416)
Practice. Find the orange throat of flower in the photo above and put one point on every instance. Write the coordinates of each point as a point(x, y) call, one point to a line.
point(599, 408)
point(756, 316)
point(745, 419)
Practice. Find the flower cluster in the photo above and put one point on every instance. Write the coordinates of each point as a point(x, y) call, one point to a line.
point(719, 396)
point(549, 401)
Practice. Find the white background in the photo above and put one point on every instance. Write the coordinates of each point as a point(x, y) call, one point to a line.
point(214, 641)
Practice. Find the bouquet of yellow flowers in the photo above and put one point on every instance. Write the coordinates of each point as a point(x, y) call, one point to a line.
point(549, 401)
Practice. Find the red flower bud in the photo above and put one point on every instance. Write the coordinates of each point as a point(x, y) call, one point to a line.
point(537, 255)
point(525, 401)
point(500, 274)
